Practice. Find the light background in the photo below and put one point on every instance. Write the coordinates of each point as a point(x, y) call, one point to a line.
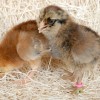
point(48, 85)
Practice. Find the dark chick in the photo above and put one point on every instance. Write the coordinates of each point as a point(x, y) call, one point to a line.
point(75, 44)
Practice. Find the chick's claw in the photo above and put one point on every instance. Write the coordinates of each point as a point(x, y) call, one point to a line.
point(76, 90)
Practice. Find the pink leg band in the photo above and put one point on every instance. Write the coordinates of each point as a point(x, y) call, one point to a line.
point(78, 85)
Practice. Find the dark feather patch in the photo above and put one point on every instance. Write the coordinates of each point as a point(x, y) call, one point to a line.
point(62, 21)
point(90, 30)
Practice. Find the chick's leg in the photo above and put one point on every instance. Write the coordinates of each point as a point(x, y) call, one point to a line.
point(78, 75)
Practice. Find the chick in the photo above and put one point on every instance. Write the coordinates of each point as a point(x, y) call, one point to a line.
point(21, 46)
point(76, 45)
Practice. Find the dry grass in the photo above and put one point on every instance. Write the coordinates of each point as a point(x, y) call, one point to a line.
point(48, 85)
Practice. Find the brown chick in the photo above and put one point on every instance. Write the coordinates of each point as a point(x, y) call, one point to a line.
point(22, 46)
point(75, 44)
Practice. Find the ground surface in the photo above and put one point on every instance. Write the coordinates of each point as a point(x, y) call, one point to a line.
point(48, 85)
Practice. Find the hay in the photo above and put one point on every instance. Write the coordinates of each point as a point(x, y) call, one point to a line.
point(46, 85)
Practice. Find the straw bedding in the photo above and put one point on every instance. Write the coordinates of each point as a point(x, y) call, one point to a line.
point(47, 85)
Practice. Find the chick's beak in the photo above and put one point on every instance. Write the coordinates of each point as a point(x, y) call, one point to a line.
point(41, 27)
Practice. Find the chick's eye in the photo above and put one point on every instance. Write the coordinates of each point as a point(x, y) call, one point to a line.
point(51, 21)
